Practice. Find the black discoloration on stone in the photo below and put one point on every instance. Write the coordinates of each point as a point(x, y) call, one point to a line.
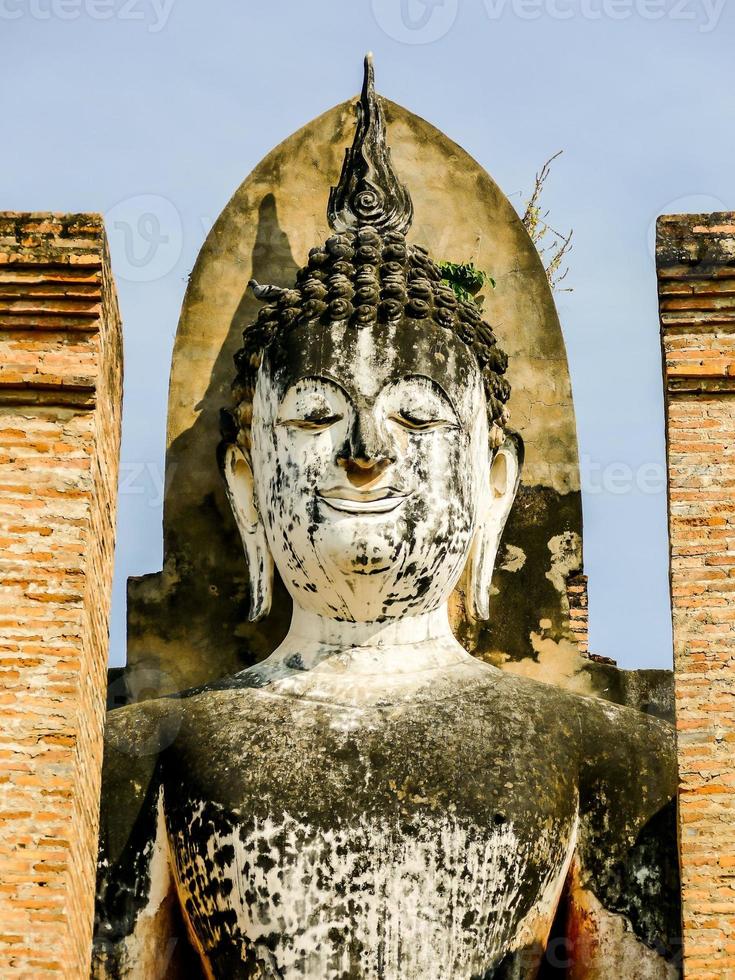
point(538, 515)
point(518, 751)
point(638, 878)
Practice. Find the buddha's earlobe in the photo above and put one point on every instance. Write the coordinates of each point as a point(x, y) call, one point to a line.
point(240, 486)
point(504, 478)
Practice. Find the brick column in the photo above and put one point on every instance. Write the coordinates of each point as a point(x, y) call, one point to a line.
point(60, 403)
point(579, 618)
point(696, 275)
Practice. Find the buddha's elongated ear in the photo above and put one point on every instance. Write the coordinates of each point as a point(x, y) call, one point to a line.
point(504, 478)
point(240, 486)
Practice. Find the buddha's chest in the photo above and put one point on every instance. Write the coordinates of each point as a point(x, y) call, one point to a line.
point(390, 850)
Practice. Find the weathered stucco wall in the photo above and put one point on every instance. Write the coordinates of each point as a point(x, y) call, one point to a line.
point(696, 267)
point(60, 401)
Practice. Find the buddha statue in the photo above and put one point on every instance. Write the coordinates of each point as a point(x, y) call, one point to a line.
point(371, 801)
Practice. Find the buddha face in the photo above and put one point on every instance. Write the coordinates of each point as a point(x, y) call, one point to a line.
point(370, 466)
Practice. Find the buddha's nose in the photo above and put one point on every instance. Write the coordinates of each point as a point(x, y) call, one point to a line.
point(365, 456)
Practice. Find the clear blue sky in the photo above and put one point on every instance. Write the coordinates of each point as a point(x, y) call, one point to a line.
point(136, 107)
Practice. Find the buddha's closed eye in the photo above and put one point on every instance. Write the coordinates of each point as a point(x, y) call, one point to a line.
point(420, 421)
point(418, 404)
point(312, 405)
point(314, 421)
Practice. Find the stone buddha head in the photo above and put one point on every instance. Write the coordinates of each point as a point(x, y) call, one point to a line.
point(367, 453)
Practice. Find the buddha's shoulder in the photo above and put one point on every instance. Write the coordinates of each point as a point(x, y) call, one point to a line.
point(594, 720)
point(620, 752)
point(149, 727)
point(525, 690)
point(141, 728)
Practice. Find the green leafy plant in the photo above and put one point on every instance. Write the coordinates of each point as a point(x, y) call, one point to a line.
point(466, 280)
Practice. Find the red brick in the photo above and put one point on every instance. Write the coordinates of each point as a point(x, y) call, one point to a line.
point(699, 364)
point(58, 475)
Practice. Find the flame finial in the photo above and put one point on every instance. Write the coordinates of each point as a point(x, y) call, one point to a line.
point(369, 192)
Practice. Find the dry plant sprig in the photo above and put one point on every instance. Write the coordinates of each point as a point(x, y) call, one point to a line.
point(552, 245)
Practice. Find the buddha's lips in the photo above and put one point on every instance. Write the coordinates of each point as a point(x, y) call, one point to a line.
point(352, 501)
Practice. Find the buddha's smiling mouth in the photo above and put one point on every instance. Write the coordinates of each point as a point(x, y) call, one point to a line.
point(349, 500)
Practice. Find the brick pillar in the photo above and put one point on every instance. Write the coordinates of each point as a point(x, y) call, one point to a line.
point(60, 402)
point(579, 619)
point(696, 275)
